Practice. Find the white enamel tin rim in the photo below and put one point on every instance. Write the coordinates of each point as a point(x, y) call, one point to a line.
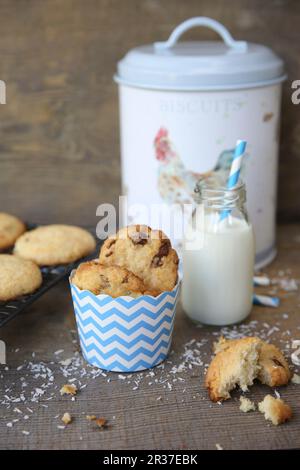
point(269, 66)
point(244, 86)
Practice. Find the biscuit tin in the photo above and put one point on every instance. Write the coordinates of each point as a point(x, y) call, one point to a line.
point(183, 105)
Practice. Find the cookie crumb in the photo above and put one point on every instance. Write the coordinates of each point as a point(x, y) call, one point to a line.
point(296, 379)
point(246, 405)
point(91, 417)
point(66, 418)
point(68, 389)
point(275, 410)
point(101, 423)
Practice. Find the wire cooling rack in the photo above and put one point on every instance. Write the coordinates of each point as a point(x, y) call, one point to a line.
point(51, 276)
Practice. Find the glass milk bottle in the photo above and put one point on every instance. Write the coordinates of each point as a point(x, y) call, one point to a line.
point(218, 256)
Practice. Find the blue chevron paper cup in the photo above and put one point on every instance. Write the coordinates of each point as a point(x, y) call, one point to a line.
point(124, 334)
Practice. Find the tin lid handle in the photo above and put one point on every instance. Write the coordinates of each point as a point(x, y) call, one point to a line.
point(240, 46)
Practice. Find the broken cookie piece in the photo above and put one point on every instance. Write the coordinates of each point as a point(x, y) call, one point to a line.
point(91, 417)
point(66, 418)
point(274, 369)
point(275, 410)
point(101, 423)
point(246, 405)
point(68, 389)
point(238, 362)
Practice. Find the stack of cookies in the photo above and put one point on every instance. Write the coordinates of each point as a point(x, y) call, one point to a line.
point(50, 245)
point(125, 301)
point(136, 261)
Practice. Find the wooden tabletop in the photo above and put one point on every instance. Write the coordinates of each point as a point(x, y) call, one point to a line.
point(165, 408)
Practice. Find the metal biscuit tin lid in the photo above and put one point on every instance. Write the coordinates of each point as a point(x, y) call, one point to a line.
point(200, 65)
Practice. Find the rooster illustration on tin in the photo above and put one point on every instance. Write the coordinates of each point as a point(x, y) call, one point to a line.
point(176, 183)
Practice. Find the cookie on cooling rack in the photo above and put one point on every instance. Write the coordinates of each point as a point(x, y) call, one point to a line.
point(10, 229)
point(17, 277)
point(50, 245)
point(145, 252)
point(111, 280)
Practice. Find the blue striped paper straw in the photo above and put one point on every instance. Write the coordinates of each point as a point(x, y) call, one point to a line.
point(235, 169)
point(266, 301)
point(261, 281)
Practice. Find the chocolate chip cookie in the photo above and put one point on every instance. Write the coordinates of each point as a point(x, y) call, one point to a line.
point(274, 369)
point(145, 252)
point(10, 229)
point(240, 361)
point(111, 280)
point(234, 365)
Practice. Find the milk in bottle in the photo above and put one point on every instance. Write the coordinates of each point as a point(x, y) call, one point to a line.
point(218, 257)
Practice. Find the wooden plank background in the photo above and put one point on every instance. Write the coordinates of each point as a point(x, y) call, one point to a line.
point(59, 129)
